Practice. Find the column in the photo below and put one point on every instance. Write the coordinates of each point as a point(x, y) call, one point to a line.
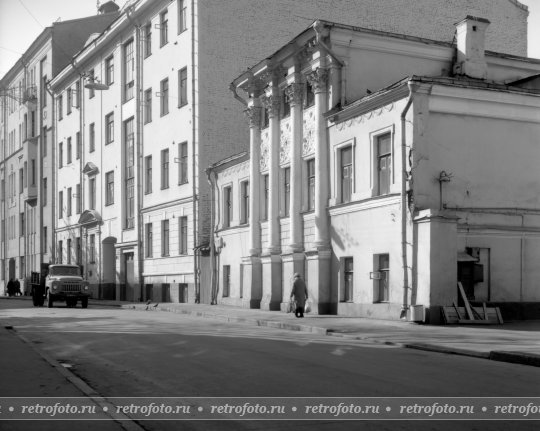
point(293, 258)
point(271, 259)
point(251, 264)
point(318, 80)
point(318, 259)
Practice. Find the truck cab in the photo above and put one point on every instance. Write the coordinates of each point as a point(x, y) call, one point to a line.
point(65, 283)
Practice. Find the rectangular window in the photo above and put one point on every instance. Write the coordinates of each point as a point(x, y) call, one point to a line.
point(44, 142)
point(69, 251)
point(165, 237)
point(182, 87)
point(92, 138)
point(226, 280)
point(78, 250)
point(310, 96)
point(91, 80)
point(60, 252)
point(286, 109)
point(164, 169)
point(92, 193)
point(78, 94)
point(311, 184)
point(78, 199)
point(148, 106)
point(244, 205)
point(227, 206)
point(183, 163)
point(164, 97)
point(149, 239)
point(346, 173)
point(286, 191)
point(60, 204)
point(33, 173)
point(109, 70)
point(44, 241)
point(384, 163)
point(109, 191)
point(68, 150)
point(148, 39)
point(382, 278)
point(79, 145)
point(109, 128)
point(266, 194)
point(60, 155)
point(164, 27)
point(68, 198)
point(69, 101)
point(60, 108)
point(182, 16)
point(21, 224)
point(92, 247)
point(183, 231)
point(348, 272)
point(129, 71)
point(129, 173)
point(148, 174)
point(22, 271)
point(44, 195)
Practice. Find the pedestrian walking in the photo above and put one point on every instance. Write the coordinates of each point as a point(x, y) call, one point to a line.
point(300, 294)
point(17, 287)
point(10, 288)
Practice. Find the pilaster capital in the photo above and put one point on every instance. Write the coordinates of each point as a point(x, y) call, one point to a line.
point(295, 93)
point(318, 79)
point(272, 103)
point(253, 115)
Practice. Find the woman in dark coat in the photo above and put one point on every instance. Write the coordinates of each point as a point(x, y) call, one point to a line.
point(300, 294)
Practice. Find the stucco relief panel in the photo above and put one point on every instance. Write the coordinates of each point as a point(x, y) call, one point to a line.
point(265, 150)
point(362, 118)
point(308, 142)
point(285, 143)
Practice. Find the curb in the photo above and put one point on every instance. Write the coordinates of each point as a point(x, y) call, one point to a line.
point(124, 421)
point(501, 356)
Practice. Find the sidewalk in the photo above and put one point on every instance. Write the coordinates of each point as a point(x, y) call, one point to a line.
point(517, 342)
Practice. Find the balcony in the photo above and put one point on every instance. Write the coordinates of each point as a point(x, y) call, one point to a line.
point(30, 97)
point(31, 162)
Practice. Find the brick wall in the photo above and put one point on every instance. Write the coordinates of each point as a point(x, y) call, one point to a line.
point(233, 37)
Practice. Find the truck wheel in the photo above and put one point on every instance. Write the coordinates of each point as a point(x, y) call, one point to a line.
point(49, 300)
point(84, 302)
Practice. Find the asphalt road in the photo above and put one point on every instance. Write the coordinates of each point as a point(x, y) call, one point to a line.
point(125, 353)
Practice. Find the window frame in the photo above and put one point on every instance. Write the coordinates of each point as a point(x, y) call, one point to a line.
point(165, 169)
point(244, 202)
point(183, 235)
point(182, 87)
point(311, 179)
point(109, 70)
point(128, 60)
point(183, 163)
point(227, 205)
point(165, 238)
point(109, 188)
point(164, 97)
point(148, 174)
point(182, 16)
point(149, 240)
point(147, 40)
point(109, 128)
point(148, 106)
point(163, 28)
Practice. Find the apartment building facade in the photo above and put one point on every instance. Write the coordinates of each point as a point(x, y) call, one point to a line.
point(384, 202)
point(26, 133)
point(175, 60)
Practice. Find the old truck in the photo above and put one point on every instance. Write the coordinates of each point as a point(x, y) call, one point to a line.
point(65, 283)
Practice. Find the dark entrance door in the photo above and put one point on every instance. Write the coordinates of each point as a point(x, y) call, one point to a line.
point(129, 278)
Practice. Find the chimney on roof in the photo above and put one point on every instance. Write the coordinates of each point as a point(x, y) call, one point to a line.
point(108, 7)
point(471, 36)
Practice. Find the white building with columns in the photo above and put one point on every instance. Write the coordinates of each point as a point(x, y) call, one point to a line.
point(387, 200)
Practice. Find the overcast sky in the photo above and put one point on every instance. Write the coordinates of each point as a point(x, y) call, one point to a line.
point(21, 21)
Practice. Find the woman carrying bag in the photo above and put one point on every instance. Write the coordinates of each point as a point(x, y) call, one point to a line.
point(300, 294)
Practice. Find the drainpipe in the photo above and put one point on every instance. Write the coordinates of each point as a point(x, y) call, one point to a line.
point(194, 129)
point(211, 175)
point(53, 164)
point(405, 303)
